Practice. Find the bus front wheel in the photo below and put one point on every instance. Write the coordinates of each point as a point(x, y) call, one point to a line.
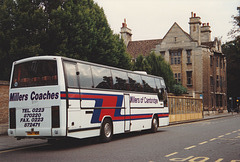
point(154, 124)
point(106, 130)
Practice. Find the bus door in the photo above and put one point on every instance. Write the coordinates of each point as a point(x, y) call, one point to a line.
point(73, 95)
point(127, 113)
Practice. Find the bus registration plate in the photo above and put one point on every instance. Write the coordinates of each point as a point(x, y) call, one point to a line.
point(32, 133)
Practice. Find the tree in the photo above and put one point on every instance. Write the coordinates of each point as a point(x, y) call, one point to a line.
point(232, 51)
point(236, 24)
point(142, 64)
point(21, 27)
point(161, 68)
point(76, 29)
point(156, 65)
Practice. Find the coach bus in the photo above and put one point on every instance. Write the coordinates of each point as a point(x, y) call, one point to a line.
point(52, 97)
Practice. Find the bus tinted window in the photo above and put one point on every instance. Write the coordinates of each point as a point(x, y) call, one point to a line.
point(120, 80)
point(158, 84)
point(162, 83)
point(70, 70)
point(149, 84)
point(35, 73)
point(135, 82)
point(102, 77)
point(161, 90)
point(85, 76)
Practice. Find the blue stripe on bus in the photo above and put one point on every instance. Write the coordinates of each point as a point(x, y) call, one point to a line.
point(111, 101)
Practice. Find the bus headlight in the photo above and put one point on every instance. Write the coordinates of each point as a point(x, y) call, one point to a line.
point(56, 132)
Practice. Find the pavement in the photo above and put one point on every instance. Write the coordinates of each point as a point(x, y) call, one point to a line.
point(8, 143)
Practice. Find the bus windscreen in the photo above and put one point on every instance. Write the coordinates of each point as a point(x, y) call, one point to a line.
point(35, 73)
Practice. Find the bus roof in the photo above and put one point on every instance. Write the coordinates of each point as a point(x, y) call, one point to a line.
point(75, 60)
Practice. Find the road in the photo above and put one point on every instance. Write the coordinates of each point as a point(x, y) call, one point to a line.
point(215, 140)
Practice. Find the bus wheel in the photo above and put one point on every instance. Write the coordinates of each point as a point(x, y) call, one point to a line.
point(154, 125)
point(106, 131)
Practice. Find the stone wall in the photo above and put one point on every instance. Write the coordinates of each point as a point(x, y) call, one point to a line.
point(4, 93)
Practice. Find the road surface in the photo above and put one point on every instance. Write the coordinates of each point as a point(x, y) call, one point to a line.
point(216, 140)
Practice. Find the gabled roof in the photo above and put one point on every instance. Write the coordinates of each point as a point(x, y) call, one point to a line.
point(143, 47)
point(188, 35)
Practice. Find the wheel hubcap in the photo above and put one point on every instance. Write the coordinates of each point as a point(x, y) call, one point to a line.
point(107, 130)
point(155, 123)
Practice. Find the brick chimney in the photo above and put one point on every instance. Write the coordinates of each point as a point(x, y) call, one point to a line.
point(195, 24)
point(205, 32)
point(126, 33)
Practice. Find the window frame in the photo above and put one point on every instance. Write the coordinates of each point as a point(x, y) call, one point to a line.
point(175, 57)
point(189, 56)
point(35, 75)
point(66, 74)
point(80, 77)
point(140, 87)
point(107, 83)
point(189, 77)
point(126, 86)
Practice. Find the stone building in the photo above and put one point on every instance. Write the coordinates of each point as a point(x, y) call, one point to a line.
point(197, 61)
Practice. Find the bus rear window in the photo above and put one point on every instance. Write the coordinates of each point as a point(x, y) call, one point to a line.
point(35, 73)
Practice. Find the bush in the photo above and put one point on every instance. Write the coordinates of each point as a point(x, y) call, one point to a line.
point(178, 89)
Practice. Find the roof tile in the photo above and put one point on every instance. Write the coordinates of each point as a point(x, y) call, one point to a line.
point(143, 47)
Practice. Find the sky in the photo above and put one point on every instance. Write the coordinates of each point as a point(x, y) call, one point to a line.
point(151, 19)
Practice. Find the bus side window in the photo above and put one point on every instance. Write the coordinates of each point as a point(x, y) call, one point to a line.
point(120, 80)
point(85, 76)
point(158, 84)
point(135, 82)
point(70, 70)
point(164, 92)
point(159, 89)
point(149, 84)
point(102, 77)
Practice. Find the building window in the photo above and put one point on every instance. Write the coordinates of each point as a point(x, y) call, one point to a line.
point(175, 57)
point(224, 64)
point(211, 60)
point(223, 81)
point(212, 101)
point(177, 77)
point(189, 78)
point(211, 81)
point(162, 53)
point(217, 81)
point(175, 38)
point(220, 62)
point(219, 101)
point(189, 56)
point(217, 61)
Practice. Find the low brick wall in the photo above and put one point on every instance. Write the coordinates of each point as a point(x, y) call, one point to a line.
point(4, 96)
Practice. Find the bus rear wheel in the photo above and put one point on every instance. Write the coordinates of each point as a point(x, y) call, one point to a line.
point(106, 131)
